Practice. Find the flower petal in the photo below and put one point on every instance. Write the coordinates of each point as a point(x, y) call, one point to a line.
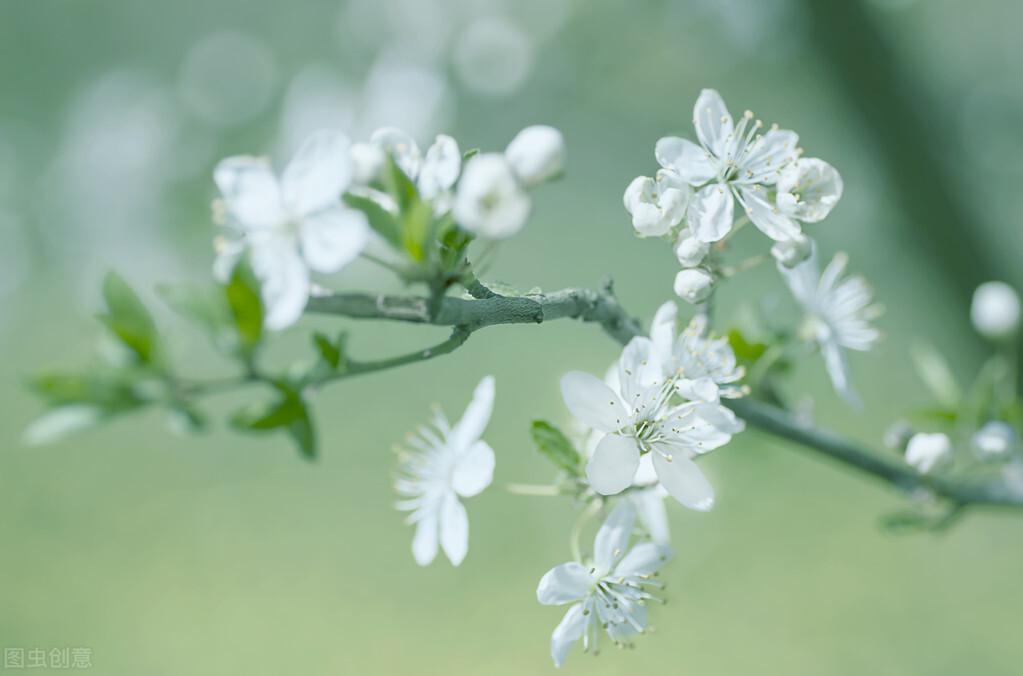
point(284, 280)
point(250, 191)
point(613, 464)
point(401, 147)
point(775, 151)
point(592, 402)
point(710, 213)
point(440, 167)
point(652, 514)
point(691, 162)
point(564, 584)
point(424, 543)
point(454, 529)
point(684, 481)
point(613, 536)
point(333, 238)
point(838, 371)
point(318, 174)
point(474, 470)
point(643, 559)
point(568, 631)
point(767, 217)
point(662, 331)
point(638, 370)
point(477, 414)
point(712, 120)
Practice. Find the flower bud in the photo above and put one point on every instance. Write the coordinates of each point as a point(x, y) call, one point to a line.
point(536, 154)
point(792, 252)
point(694, 285)
point(926, 451)
point(995, 439)
point(995, 310)
point(367, 162)
point(490, 201)
point(689, 250)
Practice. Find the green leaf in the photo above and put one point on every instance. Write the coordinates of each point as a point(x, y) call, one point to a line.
point(110, 390)
point(380, 219)
point(400, 186)
point(417, 230)
point(129, 319)
point(246, 307)
point(331, 352)
point(470, 153)
point(556, 447)
point(302, 433)
point(288, 413)
point(205, 305)
point(745, 351)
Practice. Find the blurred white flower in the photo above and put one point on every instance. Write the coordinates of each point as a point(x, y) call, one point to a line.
point(838, 313)
point(657, 204)
point(608, 592)
point(808, 189)
point(995, 439)
point(442, 464)
point(434, 174)
point(694, 285)
point(490, 200)
point(792, 252)
point(536, 154)
point(704, 366)
point(493, 57)
point(367, 162)
point(690, 250)
point(731, 160)
point(645, 420)
point(926, 451)
point(995, 310)
point(291, 225)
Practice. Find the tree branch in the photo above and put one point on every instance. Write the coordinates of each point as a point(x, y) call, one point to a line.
point(601, 307)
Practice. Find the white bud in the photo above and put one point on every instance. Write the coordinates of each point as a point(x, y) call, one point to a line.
point(792, 252)
point(694, 285)
point(367, 162)
point(689, 250)
point(490, 201)
point(995, 439)
point(995, 310)
point(926, 451)
point(536, 154)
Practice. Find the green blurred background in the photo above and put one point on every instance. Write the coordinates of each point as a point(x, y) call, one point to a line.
point(226, 554)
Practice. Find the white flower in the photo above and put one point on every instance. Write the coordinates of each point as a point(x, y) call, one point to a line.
point(291, 225)
point(809, 189)
point(694, 285)
point(925, 451)
point(434, 174)
point(490, 200)
point(995, 310)
point(443, 464)
point(792, 252)
point(401, 147)
point(838, 313)
point(536, 154)
point(609, 592)
point(690, 250)
point(645, 420)
point(656, 204)
point(704, 366)
point(732, 160)
point(367, 162)
point(995, 439)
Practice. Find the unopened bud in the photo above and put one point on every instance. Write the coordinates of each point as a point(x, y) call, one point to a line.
point(694, 285)
point(995, 439)
point(536, 154)
point(926, 451)
point(995, 310)
point(690, 251)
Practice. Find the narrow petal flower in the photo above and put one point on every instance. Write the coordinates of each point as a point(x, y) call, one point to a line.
point(809, 189)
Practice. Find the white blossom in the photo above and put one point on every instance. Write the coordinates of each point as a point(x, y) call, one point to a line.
point(689, 249)
point(645, 419)
point(995, 310)
point(808, 189)
point(995, 439)
point(926, 451)
point(367, 162)
point(609, 592)
point(442, 464)
point(536, 154)
point(490, 201)
point(434, 173)
point(838, 313)
point(657, 204)
point(290, 225)
point(792, 252)
point(694, 285)
point(733, 161)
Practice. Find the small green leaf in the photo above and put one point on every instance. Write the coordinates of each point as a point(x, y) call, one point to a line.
point(288, 413)
point(246, 307)
point(302, 433)
point(745, 351)
point(470, 153)
point(331, 352)
point(204, 305)
point(380, 219)
point(556, 447)
point(417, 229)
point(129, 319)
point(110, 390)
point(400, 186)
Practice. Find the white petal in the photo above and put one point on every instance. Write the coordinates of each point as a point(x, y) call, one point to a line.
point(613, 536)
point(712, 120)
point(333, 238)
point(662, 331)
point(838, 371)
point(537, 153)
point(773, 153)
point(228, 253)
point(284, 280)
point(592, 402)
point(684, 481)
point(401, 147)
point(318, 174)
point(564, 584)
point(688, 160)
point(698, 389)
point(454, 529)
point(613, 465)
point(568, 631)
point(638, 370)
point(767, 217)
point(643, 559)
point(808, 189)
point(652, 514)
point(250, 191)
point(710, 213)
point(424, 543)
point(440, 168)
point(477, 415)
point(474, 470)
